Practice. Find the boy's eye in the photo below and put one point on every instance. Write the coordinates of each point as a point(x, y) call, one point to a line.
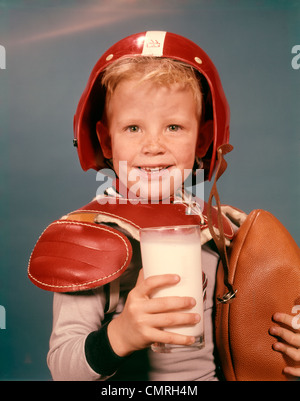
point(173, 127)
point(133, 128)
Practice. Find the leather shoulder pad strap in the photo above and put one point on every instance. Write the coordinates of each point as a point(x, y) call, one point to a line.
point(80, 251)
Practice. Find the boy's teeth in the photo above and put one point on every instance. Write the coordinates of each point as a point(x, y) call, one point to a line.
point(152, 169)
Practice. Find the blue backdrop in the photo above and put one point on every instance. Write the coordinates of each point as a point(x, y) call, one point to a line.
point(49, 49)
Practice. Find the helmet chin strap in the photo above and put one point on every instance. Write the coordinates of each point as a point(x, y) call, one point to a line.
point(219, 237)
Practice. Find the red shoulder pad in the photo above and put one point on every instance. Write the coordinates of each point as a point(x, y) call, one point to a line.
point(152, 215)
point(74, 256)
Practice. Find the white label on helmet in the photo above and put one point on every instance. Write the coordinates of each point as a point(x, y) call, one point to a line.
point(154, 43)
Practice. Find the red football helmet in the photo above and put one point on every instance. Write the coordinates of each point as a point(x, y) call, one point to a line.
point(157, 44)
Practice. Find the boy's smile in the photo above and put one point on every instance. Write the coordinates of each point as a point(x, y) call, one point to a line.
point(154, 129)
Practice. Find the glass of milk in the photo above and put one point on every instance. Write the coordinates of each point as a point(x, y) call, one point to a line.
point(176, 250)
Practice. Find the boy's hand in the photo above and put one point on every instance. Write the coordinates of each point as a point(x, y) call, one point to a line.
point(140, 323)
point(291, 338)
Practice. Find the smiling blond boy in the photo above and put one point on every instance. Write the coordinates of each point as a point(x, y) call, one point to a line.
point(154, 103)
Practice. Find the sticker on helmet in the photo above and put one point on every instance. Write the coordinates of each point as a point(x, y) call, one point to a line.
point(154, 43)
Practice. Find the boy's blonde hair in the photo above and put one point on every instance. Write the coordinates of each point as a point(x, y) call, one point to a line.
point(161, 71)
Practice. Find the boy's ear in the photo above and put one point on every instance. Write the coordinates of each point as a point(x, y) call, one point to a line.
point(205, 138)
point(104, 139)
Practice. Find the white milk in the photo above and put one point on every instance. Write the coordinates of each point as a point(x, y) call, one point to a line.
point(179, 254)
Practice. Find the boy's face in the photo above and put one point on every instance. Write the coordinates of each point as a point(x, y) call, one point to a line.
point(154, 129)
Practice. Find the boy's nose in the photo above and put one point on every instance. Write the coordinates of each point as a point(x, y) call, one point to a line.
point(153, 145)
